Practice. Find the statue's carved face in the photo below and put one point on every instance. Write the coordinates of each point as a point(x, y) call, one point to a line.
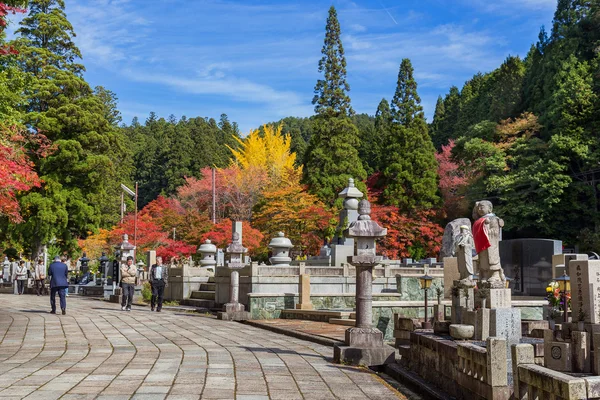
point(483, 208)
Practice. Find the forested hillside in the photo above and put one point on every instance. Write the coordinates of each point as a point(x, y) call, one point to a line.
point(527, 134)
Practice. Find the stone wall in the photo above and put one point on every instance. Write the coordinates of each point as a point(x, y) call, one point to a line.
point(400, 279)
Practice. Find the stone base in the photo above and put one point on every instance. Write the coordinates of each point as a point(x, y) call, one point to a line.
point(364, 337)
point(304, 306)
point(234, 316)
point(233, 307)
point(463, 299)
point(367, 356)
point(441, 327)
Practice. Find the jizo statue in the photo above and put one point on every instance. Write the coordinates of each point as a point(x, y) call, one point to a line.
point(486, 234)
point(463, 247)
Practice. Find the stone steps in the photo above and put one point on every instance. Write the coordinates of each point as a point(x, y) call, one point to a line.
point(342, 321)
point(207, 287)
point(203, 294)
point(200, 303)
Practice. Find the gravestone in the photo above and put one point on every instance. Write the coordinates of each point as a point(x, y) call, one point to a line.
point(304, 283)
point(451, 274)
point(450, 232)
point(585, 290)
point(529, 263)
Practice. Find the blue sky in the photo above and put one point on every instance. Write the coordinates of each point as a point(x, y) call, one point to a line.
point(257, 60)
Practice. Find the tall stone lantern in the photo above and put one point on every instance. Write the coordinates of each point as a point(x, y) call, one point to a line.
point(364, 344)
point(234, 260)
point(280, 245)
point(208, 252)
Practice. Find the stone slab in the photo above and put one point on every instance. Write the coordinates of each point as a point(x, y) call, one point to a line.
point(585, 290)
point(451, 274)
point(558, 356)
point(499, 298)
point(365, 356)
point(506, 323)
point(580, 342)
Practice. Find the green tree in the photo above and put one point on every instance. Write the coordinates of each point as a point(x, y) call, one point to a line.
point(82, 176)
point(331, 98)
point(332, 155)
point(410, 175)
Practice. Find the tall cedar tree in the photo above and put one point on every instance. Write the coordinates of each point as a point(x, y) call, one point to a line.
point(81, 178)
point(410, 175)
point(332, 156)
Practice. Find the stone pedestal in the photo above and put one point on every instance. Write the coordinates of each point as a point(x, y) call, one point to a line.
point(463, 299)
point(505, 323)
point(305, 303)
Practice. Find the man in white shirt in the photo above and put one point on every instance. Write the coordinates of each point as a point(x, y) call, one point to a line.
point(159, 276)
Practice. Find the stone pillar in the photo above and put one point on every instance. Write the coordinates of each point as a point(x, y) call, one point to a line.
point(234, 287)
point(304, 286)
point(364, 344)
point(497, 366)
point(234, 310)
point(521, 354)
point(364, 297)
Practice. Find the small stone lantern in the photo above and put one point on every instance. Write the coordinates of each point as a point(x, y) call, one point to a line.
point(234, 260)
point(208, 252)
point(364, 344)
point(281, 250)
point(84, 263)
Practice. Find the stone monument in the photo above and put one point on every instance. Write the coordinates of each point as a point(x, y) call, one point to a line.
point(235, 252)
point(486, 234)
point(342, 247)
point(464, 253)
point(364, 343)
point(280, 245)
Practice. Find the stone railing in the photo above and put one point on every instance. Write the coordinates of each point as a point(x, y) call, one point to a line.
point(483, 371)
point(533, 381)
point(463, 370)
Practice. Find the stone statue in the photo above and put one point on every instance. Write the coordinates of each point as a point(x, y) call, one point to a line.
point(486, 234)
point(464, 253)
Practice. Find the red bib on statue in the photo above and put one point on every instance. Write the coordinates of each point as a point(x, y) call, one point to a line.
point(480, 236)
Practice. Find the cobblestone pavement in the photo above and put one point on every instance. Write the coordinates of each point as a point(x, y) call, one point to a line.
point(97, 351)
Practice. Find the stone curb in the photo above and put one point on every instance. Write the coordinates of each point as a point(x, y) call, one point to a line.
point(299, 335)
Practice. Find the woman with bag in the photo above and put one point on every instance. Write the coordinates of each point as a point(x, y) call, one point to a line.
point(21, 277)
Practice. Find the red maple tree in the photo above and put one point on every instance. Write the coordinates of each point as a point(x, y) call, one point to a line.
point(453, 183)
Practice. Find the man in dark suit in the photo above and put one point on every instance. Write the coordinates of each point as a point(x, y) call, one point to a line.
point(58, 282)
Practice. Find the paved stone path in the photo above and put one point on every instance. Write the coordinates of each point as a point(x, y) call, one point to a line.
point(97, 351)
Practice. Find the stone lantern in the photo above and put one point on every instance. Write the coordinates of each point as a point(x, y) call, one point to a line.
point(364, 344)
point(234, 260)
point(84, 261)
point(208, 252)
point(127, 249)
point(281, 250)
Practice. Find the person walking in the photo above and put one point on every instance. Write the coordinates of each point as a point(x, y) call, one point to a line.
point(58, 272)
point(21, 277)
point(159, 276)
point(40, 277)
point(128, 275)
